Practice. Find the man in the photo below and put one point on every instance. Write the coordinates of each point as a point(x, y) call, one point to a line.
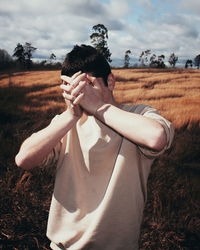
point(103, 151)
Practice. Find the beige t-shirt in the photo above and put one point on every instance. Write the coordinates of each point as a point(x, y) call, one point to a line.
point(100, 186)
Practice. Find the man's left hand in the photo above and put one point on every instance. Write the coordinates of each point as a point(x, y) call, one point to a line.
point(87, 93)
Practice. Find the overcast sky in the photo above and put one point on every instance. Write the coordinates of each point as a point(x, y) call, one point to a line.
point(55, 26)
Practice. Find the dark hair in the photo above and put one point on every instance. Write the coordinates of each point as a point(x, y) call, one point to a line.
point(87, 59)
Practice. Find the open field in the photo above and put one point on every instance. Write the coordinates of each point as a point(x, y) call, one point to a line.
point(29, 100)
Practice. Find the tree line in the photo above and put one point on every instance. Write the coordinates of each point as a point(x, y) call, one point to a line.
point(22, 59)
point(148, 59)
point(22, 55)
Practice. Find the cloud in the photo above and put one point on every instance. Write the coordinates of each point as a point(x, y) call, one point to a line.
point(118, 8)
point(183, 24)
point(55, 26)
point(192, 5)
point(170, 33)
point(145, 3)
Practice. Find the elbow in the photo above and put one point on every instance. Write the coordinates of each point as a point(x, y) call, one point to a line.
point(21, 161)
point(159, 140)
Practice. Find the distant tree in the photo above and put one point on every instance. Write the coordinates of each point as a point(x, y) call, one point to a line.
point(99, 40)
point(127, 59)
point(173, 60)
point(43, 62)
point(28, 53)
point(188, 63)
point(152, 58)
point(161, 63)
point(4, 56)
point(157, 61)
point(52, 57)
point(197, 61)
point(24, 54)
point(19, 54)
point(5, 59)
point(144, 56)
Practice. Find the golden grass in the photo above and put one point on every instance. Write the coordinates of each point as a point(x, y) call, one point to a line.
point(176, 92)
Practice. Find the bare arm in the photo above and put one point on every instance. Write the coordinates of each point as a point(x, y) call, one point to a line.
point(35, 148)
point(137, 128)
point(98, 101)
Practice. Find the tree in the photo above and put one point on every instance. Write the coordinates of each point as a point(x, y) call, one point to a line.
point(19, 53)
point(197, 61)
point(4, 56)
point(52, 56)
point(157, 62)
point(144, 56)
point(152, 58)
point(188, 63)
point(24, 54)
point(160, 62)
point(6, 60)
point(127, 59)
point(99, 40)
point(173, 59)
point(28, 53)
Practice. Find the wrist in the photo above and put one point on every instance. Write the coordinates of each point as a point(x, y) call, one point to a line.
point(68, 115)
point(93, 108)
point(99, 113)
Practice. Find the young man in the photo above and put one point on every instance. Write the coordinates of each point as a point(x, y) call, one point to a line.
point(103, 151)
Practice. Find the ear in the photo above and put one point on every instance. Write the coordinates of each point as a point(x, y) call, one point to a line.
point(111, 81)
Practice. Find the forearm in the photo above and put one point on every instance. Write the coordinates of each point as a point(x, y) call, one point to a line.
point(137, 128)
point(39, 145)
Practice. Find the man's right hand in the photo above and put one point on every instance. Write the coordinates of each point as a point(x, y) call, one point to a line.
point(72, 87)
point(35, 148)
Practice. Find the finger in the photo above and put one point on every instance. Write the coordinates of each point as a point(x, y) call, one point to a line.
point(68, 97)
point(76, 74)
point(65, 88)
point(77, 80)
point(66, 78)
point(93, 81)
point(70, 79)
point(90, 79)
point(79, 88)
point(78, 99)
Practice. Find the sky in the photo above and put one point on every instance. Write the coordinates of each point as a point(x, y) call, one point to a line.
point(55, 26)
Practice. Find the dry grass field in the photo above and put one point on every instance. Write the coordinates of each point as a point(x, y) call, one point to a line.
point(29, 100)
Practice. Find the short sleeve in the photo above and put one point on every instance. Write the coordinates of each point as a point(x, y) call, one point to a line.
point(152, 113)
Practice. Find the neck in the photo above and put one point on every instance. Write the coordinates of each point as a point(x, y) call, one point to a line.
point(111, 100)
